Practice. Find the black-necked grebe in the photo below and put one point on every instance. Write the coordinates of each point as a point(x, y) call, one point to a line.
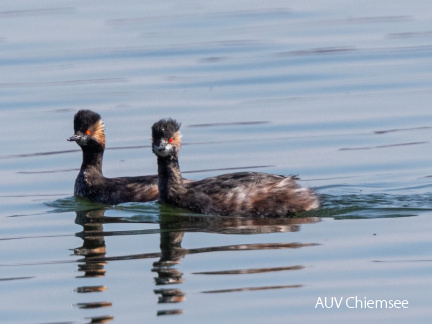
point(249, 194)
point(90, 182)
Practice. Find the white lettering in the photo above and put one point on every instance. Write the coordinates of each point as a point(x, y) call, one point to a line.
point(329, 302)
point(381, 302)
point(319, 302)
point(361, 302)
point(338, 303)
point(348, 301)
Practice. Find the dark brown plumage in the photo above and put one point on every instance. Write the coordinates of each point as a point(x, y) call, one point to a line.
point(249, 194)
point(90, 182)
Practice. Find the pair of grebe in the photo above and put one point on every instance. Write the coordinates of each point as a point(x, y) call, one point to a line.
point(248, 194)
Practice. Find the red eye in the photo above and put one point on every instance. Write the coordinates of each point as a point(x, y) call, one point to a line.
point(88, 132)
point(170, 140)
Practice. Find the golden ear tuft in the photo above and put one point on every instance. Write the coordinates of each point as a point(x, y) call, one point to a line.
point(176, 139)
point(97, 131)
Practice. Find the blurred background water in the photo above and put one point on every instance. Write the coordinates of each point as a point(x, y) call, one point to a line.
point(337, 92)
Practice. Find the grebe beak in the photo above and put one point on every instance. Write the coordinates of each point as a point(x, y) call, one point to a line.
point(74, 138)
point(163, 149)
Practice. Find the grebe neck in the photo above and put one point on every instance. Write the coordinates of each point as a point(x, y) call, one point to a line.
point(92, 158)
point(170, 179)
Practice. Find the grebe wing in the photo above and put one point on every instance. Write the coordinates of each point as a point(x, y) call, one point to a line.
point(239, 180)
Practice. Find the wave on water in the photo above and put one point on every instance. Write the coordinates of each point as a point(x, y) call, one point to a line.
point(342, 206)
point(129, 212)
point(378, 205)
point(73, 203)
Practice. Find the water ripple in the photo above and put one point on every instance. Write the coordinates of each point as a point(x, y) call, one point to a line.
point(375, 205)
point(249, 271)
point(250, 289)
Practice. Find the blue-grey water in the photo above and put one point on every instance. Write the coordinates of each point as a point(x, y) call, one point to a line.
point(337, 92)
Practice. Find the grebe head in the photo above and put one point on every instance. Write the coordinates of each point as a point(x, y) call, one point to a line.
point(166, 137)
point(89, 129)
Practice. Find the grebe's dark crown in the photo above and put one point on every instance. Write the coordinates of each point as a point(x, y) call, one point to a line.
point(165, 128)
point(84, 119)
point(88, 127)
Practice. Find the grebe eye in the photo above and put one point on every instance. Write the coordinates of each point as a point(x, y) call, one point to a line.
point(88, 131)
point(170, 140)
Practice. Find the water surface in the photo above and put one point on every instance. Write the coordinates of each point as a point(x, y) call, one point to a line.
point(338, 93)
